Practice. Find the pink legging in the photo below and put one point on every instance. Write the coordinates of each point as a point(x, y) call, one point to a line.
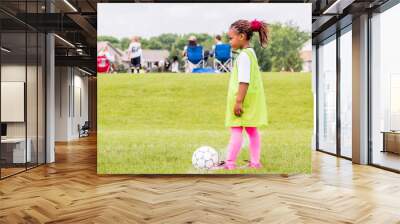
point(235, 145)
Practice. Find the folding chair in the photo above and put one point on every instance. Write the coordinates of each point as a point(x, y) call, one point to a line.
point(223, 58)
point(195, 58)
point(84, 129)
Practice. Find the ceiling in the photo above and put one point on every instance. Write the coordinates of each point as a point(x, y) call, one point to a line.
point(330, 15)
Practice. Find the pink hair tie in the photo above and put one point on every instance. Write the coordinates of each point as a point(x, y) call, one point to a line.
point(255, 25)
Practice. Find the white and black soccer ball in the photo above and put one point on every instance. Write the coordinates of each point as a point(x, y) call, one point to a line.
point(205, 157)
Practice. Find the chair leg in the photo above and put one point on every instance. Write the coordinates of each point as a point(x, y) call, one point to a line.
point(217, 65)
point(227, 66)
point(224, 68)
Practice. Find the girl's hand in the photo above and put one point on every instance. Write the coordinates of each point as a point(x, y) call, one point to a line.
point(238, 109)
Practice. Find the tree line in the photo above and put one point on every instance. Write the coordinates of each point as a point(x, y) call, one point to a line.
point(281, 54)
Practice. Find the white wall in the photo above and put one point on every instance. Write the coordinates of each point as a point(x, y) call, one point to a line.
point(12, 101)
point(33, 126)
point(70, 83)
point(15, 72)
point(62, 81)
point(81, 82)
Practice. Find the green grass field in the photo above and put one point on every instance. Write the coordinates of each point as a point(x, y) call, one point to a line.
point(152, 123)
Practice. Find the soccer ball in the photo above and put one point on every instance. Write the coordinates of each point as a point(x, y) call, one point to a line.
point(205, 157)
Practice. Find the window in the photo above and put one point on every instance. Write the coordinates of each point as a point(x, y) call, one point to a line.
point(385, 88)
point(23, 87)
point(327, 95)
point(346, 92)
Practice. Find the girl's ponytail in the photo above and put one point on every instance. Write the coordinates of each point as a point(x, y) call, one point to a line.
point(262, 29)
point(249, 27)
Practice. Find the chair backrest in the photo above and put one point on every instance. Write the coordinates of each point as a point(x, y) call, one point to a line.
point(223, 52)
point(85, 125)
point(195, 54)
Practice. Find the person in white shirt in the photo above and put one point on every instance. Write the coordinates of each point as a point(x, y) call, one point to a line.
point(135, 54)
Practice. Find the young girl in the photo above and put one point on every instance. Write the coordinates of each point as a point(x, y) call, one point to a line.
point(246, 107)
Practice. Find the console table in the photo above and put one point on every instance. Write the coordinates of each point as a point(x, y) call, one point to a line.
point(391, 141)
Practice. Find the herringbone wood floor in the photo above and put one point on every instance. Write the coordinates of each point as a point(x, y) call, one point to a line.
point(69, 191)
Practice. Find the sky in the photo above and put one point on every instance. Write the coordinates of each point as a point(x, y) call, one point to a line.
point(152, 19)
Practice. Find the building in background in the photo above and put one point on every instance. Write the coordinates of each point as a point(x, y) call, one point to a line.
point(306, 56)
point(151, 60)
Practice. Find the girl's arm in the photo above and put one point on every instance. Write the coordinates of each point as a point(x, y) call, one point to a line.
point(244, 80)
point(238, 109)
